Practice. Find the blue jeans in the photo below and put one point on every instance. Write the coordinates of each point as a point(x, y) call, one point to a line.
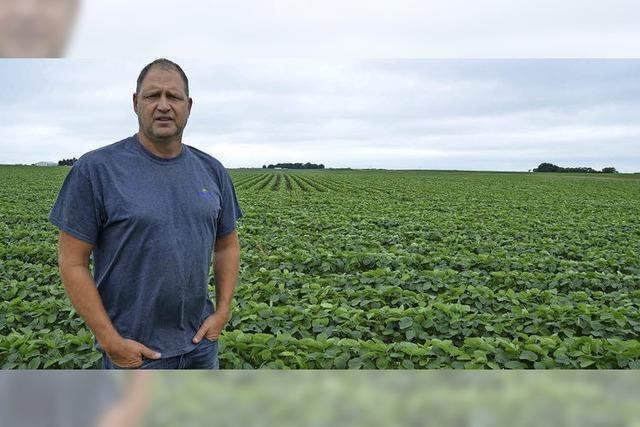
point(204, 356)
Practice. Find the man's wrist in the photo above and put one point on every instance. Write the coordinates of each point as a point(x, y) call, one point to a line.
point(223, 309)
point(108, 340)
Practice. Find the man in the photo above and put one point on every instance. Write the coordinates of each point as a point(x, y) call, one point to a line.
point(35, 28)
point(151, 210)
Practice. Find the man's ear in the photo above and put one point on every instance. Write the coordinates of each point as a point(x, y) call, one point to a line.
point(190, 104)
point(135, 103)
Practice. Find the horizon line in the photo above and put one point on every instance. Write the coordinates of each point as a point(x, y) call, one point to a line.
point(381, 169)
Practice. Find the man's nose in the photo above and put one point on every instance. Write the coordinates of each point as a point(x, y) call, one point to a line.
point(163, 104)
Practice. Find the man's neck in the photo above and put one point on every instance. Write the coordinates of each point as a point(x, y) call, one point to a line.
point(164, 149)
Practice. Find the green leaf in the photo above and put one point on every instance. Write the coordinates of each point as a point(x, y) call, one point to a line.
point(34, 363)
point(265, 355)
point(528, 355)
point(355, 363)
point(49, 363)
point(406, 322)
point(585, 363)
point(407, 364)
point(514, 364)
point(382, 363)
point(340, 362)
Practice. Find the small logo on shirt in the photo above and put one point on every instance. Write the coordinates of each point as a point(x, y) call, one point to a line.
point(204, 193)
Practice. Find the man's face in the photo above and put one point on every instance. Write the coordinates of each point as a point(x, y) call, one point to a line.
point(35, 28)
point(162, 105)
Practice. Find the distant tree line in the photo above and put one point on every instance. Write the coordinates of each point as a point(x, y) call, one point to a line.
point(67, 162)
point(294, 166)
point(549, 167)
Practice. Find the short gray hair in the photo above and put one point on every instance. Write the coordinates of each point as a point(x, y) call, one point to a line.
point(165, 64)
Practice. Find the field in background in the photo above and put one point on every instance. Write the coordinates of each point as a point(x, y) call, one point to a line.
point(377, 269)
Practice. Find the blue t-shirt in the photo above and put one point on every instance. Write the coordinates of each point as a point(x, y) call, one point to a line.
point(154, 222)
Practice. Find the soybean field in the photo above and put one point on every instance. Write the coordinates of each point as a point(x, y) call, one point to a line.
point(376, 269)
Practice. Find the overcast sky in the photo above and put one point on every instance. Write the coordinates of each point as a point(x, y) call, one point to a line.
point(400, 114)
point(227, 29)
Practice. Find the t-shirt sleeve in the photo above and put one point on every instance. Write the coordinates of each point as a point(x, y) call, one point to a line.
point(230, 210)
point(76, 210)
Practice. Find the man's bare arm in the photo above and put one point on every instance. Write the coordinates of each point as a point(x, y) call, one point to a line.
point(73, 261)
point(226, 267)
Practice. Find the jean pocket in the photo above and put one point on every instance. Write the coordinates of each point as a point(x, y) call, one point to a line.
point(204, 356)
point(109, 364)
point(122, 367)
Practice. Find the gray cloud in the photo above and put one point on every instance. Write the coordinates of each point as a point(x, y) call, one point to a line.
point(438, 114)
point(359, 28)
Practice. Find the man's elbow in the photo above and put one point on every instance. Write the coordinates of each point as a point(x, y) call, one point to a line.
point(69, 269)
point(72, 254)
point(228, 242)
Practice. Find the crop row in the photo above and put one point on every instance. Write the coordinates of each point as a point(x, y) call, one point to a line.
point(433, 319)
point(386, 312)
point(279, 181)
point(324, 262)
point(288, 289)
point(240, 350)
point(48, 348)
point(349, 256)
point(438, 320)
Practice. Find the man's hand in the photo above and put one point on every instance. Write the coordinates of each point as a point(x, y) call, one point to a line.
point(212, 326)
point(127, 353)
